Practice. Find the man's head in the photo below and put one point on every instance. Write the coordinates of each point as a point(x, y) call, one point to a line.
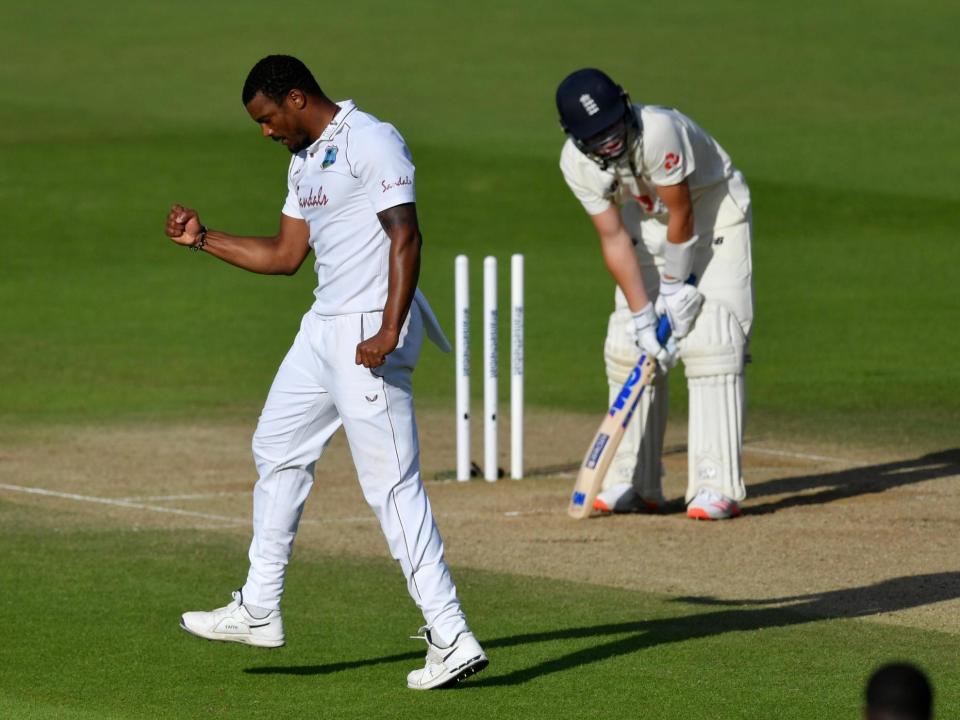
point(596, 114)
point(899, 692)
point(278, 94)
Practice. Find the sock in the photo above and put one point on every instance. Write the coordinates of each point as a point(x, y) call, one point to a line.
point(438, 641)
point(257, 613)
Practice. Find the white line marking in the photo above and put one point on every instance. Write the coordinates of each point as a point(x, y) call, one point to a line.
point(345, 520)
point(800, 455)
point(119, 503)
point(677, 449)
point(122, 502)
point(127, 503)
point(195, 496)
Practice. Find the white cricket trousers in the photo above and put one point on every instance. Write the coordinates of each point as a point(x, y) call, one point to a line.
point(317, 389)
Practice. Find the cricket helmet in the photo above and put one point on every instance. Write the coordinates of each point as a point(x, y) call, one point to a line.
point(596, 114)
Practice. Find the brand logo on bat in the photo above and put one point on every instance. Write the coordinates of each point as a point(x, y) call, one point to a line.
point(578, 498)
point(597, 450)
point(621, 400)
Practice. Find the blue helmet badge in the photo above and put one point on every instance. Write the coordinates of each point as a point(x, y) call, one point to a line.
point(330, 156)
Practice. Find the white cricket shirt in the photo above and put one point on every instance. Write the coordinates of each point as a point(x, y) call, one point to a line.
point(358, 167)
point(672, 148)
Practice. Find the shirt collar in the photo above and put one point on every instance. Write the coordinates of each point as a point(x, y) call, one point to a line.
point(346, 107)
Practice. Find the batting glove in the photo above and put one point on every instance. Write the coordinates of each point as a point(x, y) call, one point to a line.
point(680, 302)
point(645, 335)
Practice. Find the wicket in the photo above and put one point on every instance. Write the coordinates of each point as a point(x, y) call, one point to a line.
point(490, 362)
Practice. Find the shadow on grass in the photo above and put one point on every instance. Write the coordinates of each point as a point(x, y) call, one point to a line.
point(738, 616)
point(852, 482)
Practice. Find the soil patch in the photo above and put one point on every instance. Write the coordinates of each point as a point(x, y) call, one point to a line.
point(832, 531)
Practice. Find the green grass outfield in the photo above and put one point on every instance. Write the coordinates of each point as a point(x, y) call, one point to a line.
point(840, 115)
point(100, 640)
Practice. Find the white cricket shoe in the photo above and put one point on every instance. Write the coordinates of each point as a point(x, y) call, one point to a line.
point(623, 498)
point(711, 505)
point(447, 666)
point(234, 623)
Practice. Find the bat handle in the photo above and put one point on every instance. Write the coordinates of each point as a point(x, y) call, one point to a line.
point(663, 330)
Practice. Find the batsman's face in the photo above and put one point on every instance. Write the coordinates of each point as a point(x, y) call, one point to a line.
point(609, 144)
point(281, 123)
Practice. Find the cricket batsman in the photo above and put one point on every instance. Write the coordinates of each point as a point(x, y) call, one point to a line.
point(674, 220)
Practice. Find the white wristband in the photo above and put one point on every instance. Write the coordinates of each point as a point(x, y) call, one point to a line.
point(678, 258)
point(647, 317)
point(669, 287)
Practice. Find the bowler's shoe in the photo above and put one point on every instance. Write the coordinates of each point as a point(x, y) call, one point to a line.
point(234, 623)
point(448, 665)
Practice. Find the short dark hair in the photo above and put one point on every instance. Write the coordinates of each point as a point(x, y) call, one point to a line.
point(899, 691)
point(276, 75)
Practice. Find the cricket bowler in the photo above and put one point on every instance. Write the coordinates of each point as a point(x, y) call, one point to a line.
point(351, 199)
point(674, 221)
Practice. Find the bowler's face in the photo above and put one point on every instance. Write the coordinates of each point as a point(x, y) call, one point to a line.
point(280, 123)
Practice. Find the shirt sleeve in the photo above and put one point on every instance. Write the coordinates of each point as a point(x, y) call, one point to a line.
point(382, 162)
point(291, 207)
point(668, 157)
point(583, 183)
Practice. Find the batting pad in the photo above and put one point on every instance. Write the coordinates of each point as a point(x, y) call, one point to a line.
point(620, 351)
point(713, 355)
point(638, 458)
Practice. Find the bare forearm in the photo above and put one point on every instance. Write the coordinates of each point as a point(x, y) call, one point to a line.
point(256, 254)
point(680, 229)
point(677, 254)
point(680, 226)
point(402, 281)
point(281, 254)
point(621, 261)
point(617, 248)
point(401, 225)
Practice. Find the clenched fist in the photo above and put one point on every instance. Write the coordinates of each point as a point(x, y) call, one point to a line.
point(372, 352)
point(183, 225)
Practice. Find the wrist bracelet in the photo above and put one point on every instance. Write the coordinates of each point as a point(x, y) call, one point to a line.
point(201, 240)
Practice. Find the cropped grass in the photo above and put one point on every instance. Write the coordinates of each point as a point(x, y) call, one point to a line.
point(840, 115)
point(94, 633)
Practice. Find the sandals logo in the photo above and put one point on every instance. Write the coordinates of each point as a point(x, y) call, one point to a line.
point(314, 198)
point(405, 180)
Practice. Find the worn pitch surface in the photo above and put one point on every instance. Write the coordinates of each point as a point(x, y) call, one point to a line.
point(830, 531)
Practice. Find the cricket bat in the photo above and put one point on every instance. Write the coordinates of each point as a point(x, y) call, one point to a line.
point(605, 442)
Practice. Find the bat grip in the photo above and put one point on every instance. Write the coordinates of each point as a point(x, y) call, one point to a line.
point(663, 330)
